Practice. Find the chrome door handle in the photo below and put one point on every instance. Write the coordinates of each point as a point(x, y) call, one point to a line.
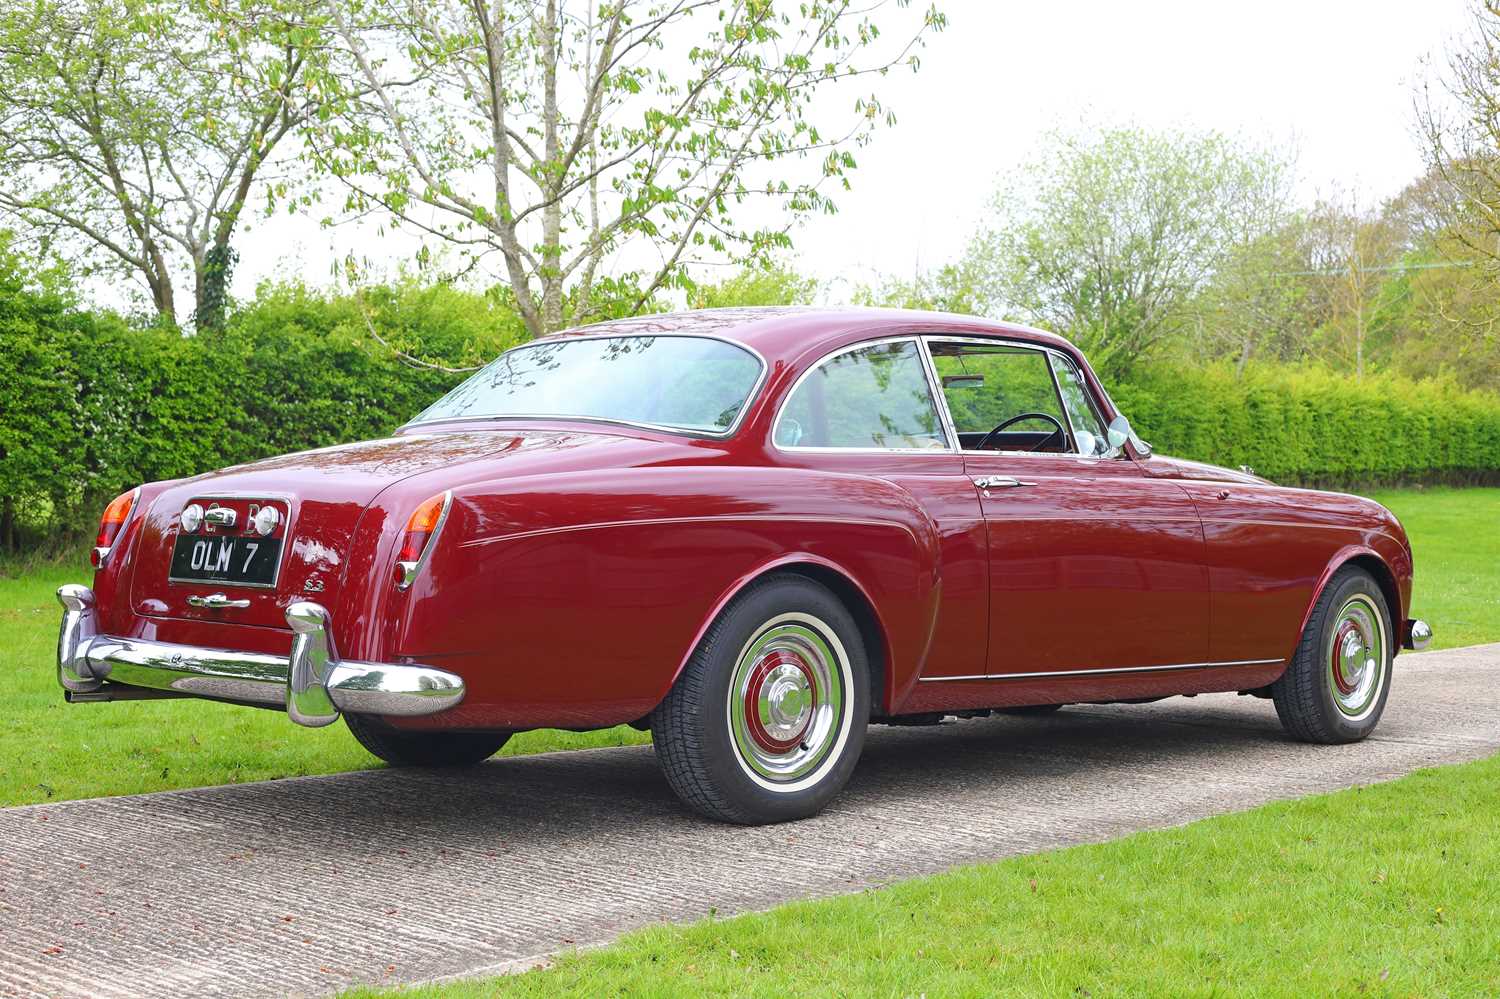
point(1000, 482)
point(216, 601)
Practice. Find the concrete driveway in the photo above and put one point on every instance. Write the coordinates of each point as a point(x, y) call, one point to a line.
point(310, 885)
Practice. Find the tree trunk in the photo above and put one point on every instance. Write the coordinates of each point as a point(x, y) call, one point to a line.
point(1245, 352)
point(159, 280)
point(552, 282)
point(1359, 340)
point(10, 537)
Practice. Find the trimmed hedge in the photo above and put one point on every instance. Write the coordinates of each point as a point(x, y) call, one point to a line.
point(1316, 428)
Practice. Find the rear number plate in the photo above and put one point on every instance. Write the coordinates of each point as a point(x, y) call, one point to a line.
point(243, 561)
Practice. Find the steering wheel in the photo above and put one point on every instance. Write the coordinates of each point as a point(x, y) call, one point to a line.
point(1060, 432)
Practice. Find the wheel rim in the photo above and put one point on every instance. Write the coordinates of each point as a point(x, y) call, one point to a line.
point(1356, 657)
point(788, 702)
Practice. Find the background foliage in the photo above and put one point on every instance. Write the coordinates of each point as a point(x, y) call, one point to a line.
point(95, 405)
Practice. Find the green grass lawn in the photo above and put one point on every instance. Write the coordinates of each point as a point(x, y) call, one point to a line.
point(50, 750)
point(1387, 890)
point(1455, 536)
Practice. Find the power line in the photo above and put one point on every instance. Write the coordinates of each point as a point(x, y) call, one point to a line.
point(1340, 272)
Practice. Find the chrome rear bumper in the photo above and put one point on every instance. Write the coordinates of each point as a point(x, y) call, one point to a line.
point(311, 683)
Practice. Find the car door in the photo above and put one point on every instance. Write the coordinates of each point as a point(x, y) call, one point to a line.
point(1093, 566)
point(871, 409)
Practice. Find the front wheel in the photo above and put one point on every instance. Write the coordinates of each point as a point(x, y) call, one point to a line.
point(1336, 686)
point(424, 749)
point(768, 718)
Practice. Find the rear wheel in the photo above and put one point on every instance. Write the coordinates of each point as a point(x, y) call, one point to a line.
point(768, 718)
point(1336, 686)
point(424, 749)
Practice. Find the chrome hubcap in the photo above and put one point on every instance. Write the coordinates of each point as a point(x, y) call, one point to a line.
point(1356, 656)
point(787, 700)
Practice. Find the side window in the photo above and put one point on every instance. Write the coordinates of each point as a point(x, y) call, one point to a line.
point(1001, 397)
point(872, 397)
point(1088, 426)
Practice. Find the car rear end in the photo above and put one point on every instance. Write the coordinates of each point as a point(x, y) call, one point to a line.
point(237, 587)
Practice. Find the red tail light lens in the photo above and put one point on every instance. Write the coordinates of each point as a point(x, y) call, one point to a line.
point(421, 527)
point(110, 524)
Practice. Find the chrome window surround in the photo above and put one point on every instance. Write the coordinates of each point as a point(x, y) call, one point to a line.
point(1089, 400)
point(1022, 345)
point(286, 537)
point(751, 397)
point(938, 405)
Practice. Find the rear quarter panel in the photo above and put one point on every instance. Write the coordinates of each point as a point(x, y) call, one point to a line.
point(573, 599)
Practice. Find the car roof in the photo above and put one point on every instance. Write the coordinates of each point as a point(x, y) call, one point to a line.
point(788, 332)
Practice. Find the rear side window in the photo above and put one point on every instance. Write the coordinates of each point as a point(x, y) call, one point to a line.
point(870, 397)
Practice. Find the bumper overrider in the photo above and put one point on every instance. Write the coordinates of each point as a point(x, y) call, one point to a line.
point(1417, 636)
point(310, 682)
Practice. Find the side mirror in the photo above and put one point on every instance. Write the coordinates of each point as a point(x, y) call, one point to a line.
point(1119, 433)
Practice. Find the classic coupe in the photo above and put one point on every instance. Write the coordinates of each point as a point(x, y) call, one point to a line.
point(753, 532)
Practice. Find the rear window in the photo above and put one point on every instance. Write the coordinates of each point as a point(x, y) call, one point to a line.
point(689, 383)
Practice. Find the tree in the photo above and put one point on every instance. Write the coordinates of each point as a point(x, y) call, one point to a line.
point(1261, 301)
point(1355, 250)
point(1108, 236)
point(769, 284)
point(598, 146)
point(1458, 113)
point(137, 132)
point(950, 288)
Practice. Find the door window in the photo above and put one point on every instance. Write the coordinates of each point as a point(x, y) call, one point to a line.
point(1001, 397)
point(870, 397)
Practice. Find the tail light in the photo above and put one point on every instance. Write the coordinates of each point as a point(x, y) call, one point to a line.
point(110, 524)
point(416, 543)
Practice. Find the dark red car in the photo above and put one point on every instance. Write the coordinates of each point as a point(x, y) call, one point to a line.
point(752, 532)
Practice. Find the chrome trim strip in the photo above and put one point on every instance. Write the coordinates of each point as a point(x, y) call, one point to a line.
point(1062, 404)
point(1108, 671)
point(751, 397)
point(940, 401)
point(311, 683)
point(937, 405)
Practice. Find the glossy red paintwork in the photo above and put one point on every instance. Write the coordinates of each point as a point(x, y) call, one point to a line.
point(581, 561)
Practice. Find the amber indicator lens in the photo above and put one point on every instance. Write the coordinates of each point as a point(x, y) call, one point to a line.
point(114, 518)
point(419, 530)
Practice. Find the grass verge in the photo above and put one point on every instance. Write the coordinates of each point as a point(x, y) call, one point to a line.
point(1386, 890)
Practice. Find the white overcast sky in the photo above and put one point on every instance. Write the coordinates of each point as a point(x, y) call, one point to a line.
point(1334, 77)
